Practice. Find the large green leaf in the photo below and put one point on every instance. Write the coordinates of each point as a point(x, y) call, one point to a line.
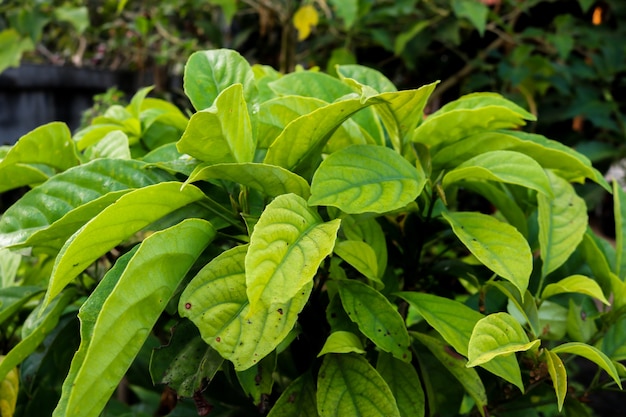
point(591, 353)
point(49, 202)
point(456, 365)
point(503, 166)
point(45, 320)
point(124, 307)
point(298, 400)
point(129, 214)
point(222, 132)
point(496, 335)
point(361, 256)
point(215, 300)
point(376, 317)
point(269, 179)
point(364, 178)
point(288, 244)
point(499, 246)
point(577, 284)
point(208, 73)
point(50, 144)
point(565, 161)
point(557, 372)
point(562, 223)
point(619, 210)
point(404, 384)
point(347, 385)
point(455, 322)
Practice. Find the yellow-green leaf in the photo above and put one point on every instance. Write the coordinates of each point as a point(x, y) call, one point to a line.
point(342, 342)
point(304, 19)
point(9, 387)
point(593, 354)
point(578, 284)
point(557, 372)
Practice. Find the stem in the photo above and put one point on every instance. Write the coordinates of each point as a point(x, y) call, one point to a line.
point(219, 211)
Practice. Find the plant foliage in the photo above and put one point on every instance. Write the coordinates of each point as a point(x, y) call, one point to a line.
point(304, 245)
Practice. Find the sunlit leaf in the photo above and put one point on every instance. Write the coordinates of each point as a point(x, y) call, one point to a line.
point(364, 178)
point(360, 255)
point(498, 245)
point(503, 166)
point(113, 145)
point(562, 223)
point(269, 179)
point(367, 76)
point(368, 230)
point(342, 342)
point(123, 308)
point(49, 202)
point(208, 73)
point(222, 132)
point(591, 353)
point(578, 284)
point(619, 210)
point(304, 19)
point(347, 385)
point(557, 372)
point(9, 387)
point(495, 335)
point(286, 248)
point(129, 214)
point(18, 175)
point(456, 365)
point(404, 384)
point(376, 317)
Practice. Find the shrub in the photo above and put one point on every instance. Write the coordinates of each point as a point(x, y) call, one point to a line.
point(306, 245)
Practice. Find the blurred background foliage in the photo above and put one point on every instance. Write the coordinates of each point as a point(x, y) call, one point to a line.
point(564, 60)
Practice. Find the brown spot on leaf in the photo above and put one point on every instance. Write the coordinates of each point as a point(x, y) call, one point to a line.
point(187, 306)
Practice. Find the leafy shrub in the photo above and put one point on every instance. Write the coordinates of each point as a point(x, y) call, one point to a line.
point(306, 245)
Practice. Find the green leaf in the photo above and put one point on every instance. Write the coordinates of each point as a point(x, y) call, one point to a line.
point(376, 317)
point(298, 400)
point(495, 335)
point(368, 230)
point(367, 76)
point(9, 388)
point(404, 384)
point(13, 298)
point(591, 353)
point(503, 166)
point(619, 210)
point(46, 320)
point(520, 305)
point(288, 244)
point(566, 162)
point(12, 46)
point(208, 73)
point(215, 300)
point(342, 342)
point(614, 340)
point(347, 10)
point(474, 100)
point(562, 223)
point(455, 322)
point(310, 84)
point(361, 256)
point(577, 284)
point(581, 325)
point(269, 179)
point(257, 380)
point(499, 246)
point(363, 178)
point(188, 362)
point(76, 16)
point(222, 132)
point(124, 310)
point(474, 11)
point(50, 144)
point(9, 265)
point(114, 145)
point(596, 259)
point(405, 37)
point(129, 214)
point(552, 320)
point(557, 372)
point(456, 365)
point(18, 175)
point(47, 203)
point(347, 385)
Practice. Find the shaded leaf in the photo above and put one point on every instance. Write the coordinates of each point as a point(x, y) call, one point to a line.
point(347, 385)
point(557, 372)
point(288, 244)
point(495, 335)
point(475, 11)
point(404, 384)
point(368, 230)
point(363, 178)
point(13, 298)
point(257, 381)
point(562, 223)
point(18, 175)
point(619, 210)
point(124, 307)
point(9, 387)
point(499, 246)
point(376, 317)
point(298, 399)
